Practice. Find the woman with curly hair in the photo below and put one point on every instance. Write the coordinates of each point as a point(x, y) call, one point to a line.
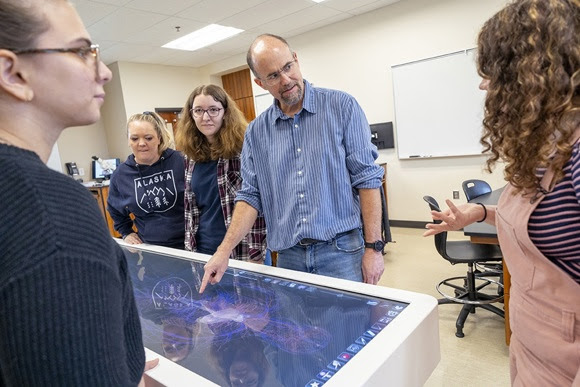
point(529, 59)
point(211, 133)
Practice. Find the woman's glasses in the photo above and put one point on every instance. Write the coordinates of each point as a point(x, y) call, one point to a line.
point(212, 112)
point(91, 52)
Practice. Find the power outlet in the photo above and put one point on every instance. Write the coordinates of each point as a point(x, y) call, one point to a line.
point(455, 194)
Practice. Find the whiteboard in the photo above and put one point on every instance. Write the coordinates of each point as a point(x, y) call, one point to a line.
point(438, 106)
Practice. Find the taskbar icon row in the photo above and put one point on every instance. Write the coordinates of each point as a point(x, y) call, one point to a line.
point(344, 357)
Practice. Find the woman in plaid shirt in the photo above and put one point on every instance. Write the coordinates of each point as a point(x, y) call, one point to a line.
point(210, 133)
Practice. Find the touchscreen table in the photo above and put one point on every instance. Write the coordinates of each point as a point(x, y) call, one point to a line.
point(263, 326)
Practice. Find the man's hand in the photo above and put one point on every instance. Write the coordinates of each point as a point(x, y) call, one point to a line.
point(242, 221)
point(373, 266)
point(214, 269)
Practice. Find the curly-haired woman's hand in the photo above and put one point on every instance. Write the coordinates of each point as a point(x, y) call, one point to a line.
point(454, 218)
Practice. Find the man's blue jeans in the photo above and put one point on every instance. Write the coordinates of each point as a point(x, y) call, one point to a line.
point(340, 257)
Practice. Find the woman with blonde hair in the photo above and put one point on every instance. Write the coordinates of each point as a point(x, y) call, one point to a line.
point(149, 185)
point(211, 133)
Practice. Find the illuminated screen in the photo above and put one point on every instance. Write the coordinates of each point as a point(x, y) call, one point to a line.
point(251, 329)
point(100, 173)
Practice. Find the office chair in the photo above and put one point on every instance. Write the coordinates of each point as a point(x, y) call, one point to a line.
point(468, 289)
point(474, 188)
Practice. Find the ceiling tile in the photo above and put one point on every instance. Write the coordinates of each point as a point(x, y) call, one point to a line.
point(321, 23)
point(123, 52)
point(266, 12)
point(347, 5)
point(300, 20)
point(124, 23)
point(134, 30)
point(164, 31)
point(371, 6)
point(158, 55)
point(91, 12)
point(194, 59)
point(212, 11)
point(165, 7)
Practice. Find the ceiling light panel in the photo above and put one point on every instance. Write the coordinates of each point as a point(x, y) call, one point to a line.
point(204, 37)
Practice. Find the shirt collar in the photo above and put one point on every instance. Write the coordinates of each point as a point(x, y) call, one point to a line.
point(308, 104)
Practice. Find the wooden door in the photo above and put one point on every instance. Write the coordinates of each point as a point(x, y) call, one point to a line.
point(239, 86)
point(171, 117)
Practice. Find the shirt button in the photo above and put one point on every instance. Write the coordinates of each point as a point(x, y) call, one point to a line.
point(301, 195)
point(299, 150)
point(304, 220)
point(299, 173)
point(295, 126)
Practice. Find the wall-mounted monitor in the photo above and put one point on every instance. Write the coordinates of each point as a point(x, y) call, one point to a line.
point(102, 171)
point(382, 135)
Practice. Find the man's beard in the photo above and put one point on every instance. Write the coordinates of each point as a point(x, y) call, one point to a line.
point(295, 96)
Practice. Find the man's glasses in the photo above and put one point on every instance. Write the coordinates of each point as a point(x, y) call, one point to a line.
point(274, 78)
point(212, 112)
point(91, 52)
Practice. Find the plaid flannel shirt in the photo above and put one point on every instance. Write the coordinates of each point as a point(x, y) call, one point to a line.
point(253, 246)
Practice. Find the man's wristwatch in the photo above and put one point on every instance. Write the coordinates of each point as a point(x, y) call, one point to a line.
point(376, 245)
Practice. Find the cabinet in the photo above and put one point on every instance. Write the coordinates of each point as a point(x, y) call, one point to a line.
point(101, 194)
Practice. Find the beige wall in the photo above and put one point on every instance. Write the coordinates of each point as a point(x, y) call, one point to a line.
point(354, 55)
point(134, 88)
point(78, 144)
point(366, 47)
point(145, 87)
point(115, 115)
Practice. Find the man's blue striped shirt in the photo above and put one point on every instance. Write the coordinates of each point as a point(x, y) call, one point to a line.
point(303, 172)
